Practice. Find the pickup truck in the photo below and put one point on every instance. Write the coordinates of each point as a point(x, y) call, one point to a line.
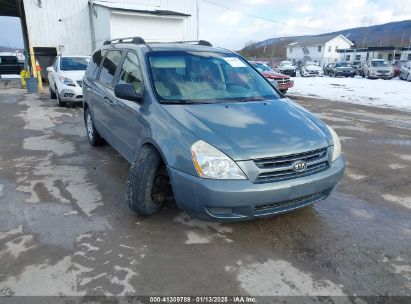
point(10, 65)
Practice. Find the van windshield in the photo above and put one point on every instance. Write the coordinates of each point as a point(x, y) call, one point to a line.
point(206, 77)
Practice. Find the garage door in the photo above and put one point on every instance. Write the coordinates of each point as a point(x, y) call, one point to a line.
point(152, 28)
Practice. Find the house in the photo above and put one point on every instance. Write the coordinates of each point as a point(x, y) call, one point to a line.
point(322, 49)
point(389, 53)
point(77, 27)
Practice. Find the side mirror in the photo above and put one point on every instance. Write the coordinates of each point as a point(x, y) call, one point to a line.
point(50, 69)
point(127, 91)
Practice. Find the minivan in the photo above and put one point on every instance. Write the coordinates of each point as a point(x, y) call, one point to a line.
point(201, 125)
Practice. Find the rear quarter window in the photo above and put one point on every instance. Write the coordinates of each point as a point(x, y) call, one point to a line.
point(94, 64)
point(109, 67)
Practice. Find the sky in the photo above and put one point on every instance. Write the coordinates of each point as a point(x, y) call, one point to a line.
point(232, 28)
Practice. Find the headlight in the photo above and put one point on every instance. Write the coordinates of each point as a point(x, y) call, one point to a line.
point(67, 81)
point(212, 163)
point(336, 143)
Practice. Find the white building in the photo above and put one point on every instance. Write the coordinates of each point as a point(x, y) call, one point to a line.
point(389, 53)
point(77, 27)
point(322, 49)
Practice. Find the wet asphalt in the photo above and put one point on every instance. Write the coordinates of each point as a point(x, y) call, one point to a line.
point(65, 228)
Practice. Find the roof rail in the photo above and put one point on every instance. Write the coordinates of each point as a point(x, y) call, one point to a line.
point(139, 40)
point(133, 40)
point(198, 42)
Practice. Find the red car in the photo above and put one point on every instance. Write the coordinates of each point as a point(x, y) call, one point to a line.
point(283, 81)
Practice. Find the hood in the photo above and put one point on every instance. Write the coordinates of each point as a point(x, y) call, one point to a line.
point(74, 75)
point(313, 68)
point(382, 68)
point(274, 75)
point(252, 130)
point(287, 67)
point(345, 68)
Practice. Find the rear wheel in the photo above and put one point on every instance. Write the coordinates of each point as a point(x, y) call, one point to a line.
point(148, 185)
point(93, 136)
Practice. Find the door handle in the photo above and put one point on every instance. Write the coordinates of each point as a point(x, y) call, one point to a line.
point(109, 100)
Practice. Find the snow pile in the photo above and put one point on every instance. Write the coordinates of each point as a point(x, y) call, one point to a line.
point(393, 93)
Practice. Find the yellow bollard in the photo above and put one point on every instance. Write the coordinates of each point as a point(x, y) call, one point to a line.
point(40, 80)
point(23, 75)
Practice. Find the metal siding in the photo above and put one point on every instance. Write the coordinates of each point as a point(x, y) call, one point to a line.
point(73, 31)
point(149, 27)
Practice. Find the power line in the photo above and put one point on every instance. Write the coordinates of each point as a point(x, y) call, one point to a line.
point(263, 18)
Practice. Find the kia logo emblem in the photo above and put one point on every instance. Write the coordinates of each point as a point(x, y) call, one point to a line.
point(299, 166)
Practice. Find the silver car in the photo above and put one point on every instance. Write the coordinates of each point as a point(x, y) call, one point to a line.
point(405, 71)
point(378, 68)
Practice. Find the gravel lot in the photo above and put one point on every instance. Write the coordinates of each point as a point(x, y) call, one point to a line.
point(65, 228)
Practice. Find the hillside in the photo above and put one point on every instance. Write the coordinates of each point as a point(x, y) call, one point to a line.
point(389, 34)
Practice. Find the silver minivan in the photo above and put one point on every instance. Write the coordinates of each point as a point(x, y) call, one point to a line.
point(202, 126)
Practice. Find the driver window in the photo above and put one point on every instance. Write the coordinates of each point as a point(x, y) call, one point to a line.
point(131, 72)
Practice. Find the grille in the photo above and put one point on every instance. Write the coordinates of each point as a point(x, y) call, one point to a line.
point(283, 80)
point(281, 168)
point(80, 83)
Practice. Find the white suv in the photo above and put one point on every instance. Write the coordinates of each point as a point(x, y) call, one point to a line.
point(66, 79)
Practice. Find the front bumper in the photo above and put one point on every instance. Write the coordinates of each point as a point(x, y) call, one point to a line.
point(285, 86)
point(70, 93)
point(345, 73)
point(289, 72)
point(230, 200)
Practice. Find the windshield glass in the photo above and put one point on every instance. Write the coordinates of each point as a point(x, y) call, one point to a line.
point(286, 63)
point(342, 65)
point(379, 63)
point(208, 77)
point(262, 67)
point(310, 63)
point(74, 63)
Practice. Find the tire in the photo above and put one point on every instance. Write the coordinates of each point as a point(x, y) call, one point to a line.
point(146, 189)
point(284, 91)
point(93, 136)
point(52, 93)
point(60, 103)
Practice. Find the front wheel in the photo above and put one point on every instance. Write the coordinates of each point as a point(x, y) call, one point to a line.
point(148, 185)
point(52, 93)
point(60, 103)
point(284, 91)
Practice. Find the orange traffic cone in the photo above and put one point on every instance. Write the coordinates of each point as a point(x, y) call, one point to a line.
point(40, 81)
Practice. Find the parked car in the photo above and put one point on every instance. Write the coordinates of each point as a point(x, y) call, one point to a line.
point(342, 69)
point(405, 72)
point(287, 68)
point(66, 79)
point(327, 68)
point(201, 124)
point(311, 69)
point(283, 82)
point(397, 66)
point(10, 65)
point(357, 65)
point(377, 68)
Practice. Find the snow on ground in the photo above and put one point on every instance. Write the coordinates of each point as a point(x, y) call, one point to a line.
point(9, 76)
point(393, 93)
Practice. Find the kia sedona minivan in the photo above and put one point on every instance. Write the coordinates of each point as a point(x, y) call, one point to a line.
point(201, 125)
